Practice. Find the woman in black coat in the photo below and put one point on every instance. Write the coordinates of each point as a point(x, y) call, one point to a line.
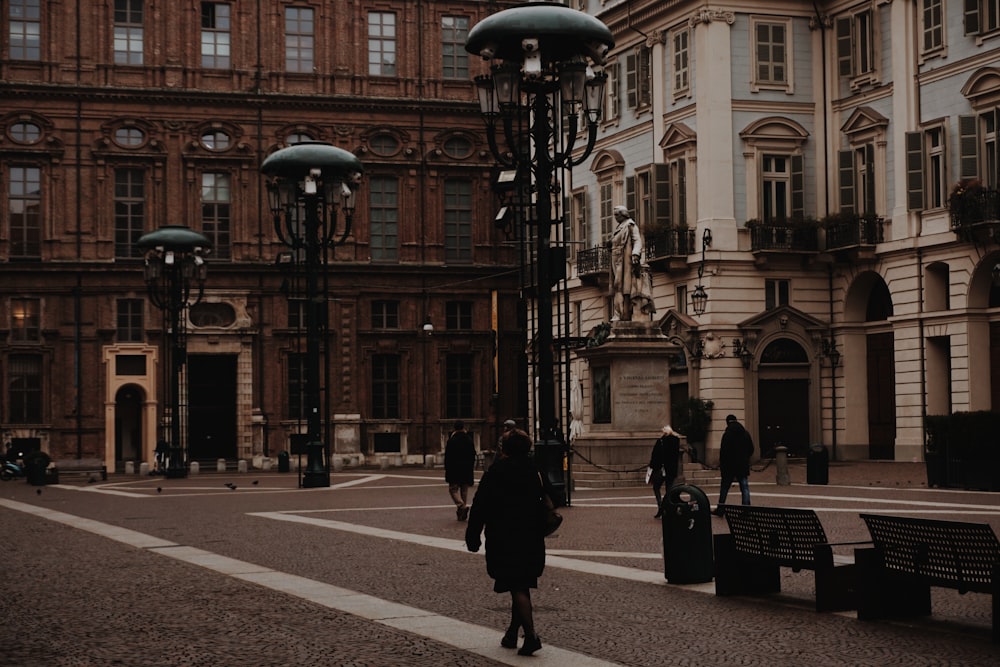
point(508, 504)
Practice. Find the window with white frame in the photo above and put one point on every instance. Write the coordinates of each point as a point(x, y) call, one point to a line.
point(300, 39)
point(926, 169)
point(857, 172)
point(856, 51)
point(776, 190)
point(381, 44)
point(458, 220)
point(607, 204)
point(772, 44)
point(775, 293)
point(681, 56)
point(383, 200)
point(931, 26)
point(981, 16)
point(978, 136)
point(130, 211)
point(638, 78)
point(128, 32)
point(24, 211)
point(612, 96)
point(578, 227)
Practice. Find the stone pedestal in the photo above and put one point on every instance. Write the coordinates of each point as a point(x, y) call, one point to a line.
point(629, 397)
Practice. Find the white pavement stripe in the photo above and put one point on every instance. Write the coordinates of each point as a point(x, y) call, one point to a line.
point(475, 639)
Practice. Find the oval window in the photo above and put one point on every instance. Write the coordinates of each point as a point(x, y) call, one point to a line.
point(297, 138)
point(215, 140)
point(129, 136)
point(457, 147)
point(25, 133)
point(384, 144)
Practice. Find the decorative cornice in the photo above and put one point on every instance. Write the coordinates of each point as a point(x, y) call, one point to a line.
point(707, 15)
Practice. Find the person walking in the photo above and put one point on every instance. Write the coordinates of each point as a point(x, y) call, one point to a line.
point(663, 464)
point(508, 505)
point(459, 464)
point(734, 461)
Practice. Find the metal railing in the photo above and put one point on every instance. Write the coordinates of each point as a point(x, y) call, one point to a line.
point(789, 237)
point(856, 230)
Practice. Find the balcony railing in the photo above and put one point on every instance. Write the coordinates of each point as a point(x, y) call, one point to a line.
point(677, 242)
point(975, 209)
point(852, 231)
point(593, 264)
point(766, 237)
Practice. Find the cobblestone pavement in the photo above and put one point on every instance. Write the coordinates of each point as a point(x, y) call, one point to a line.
point(74, 597)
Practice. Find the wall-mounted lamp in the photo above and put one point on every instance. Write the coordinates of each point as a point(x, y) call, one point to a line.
point(741, 350)
point(699, 297)
point(428, 327)
point(996, 274)
point(831, 352)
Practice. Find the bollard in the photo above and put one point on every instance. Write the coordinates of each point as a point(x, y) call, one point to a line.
point(143, 468)
point(781, 465)
point(194, 468)
point(429, 461)
point(265, 463)
point(220, 465)
point(383, 462)
point(130, 468)
point(338, 463)
point(397, 461)
point(241, 465)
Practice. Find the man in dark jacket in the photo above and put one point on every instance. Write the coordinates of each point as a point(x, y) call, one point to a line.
point(734, 461)
point(459, 466)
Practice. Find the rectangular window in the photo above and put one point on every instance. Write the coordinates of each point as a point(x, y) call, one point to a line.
point(382, 44)
point(579, 222)
point(681, 58)
point(864, 172)
point(457, 220)
point(458, 386)
point(638, 78)
point(128, 32)
point(937, 172)
point(25, 320)
point(215, 35)
point(130, 320)
point(454, 57)
point(24, 393)
point(856, 44)
point(385, 314)
point(771, 53)
point(776, 190)
point(300, 39)
point(383, 207)
point(932, 25)
point(775, 293)
point(130, 211)
point(612, 95)
point(24, 202)
point(385, 386)
point(989, 15)
point(216, 198)
point(681, 299)
point(296, 408)
point(25, 29)
point(458, 315)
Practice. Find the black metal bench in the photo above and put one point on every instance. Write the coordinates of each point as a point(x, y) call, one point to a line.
point(911, 554)
point(762, 540)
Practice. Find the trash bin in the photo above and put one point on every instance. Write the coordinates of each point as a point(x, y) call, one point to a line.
point(687, 536)
point(817, 465)
point(283, 463)
point(550, 461)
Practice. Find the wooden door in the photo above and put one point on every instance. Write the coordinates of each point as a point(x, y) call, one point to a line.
point(881, 397)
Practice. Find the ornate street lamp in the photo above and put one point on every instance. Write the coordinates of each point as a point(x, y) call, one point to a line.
point(175, 266)
point(699, 297)
point(545, 83)
point(307, 183)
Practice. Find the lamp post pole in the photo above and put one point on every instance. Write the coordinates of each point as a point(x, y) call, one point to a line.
point(307, 183)
point(174, 264)
point(547, 75)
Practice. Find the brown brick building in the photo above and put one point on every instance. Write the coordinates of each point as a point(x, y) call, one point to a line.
point(122, 116)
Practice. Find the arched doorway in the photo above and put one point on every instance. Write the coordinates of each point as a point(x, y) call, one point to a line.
point(128, 423)
point(783, 398)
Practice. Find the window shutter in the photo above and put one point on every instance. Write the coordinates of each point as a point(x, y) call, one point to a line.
point(972, 17)
point(681, 169)
point(845, 66)
point(644, 82)
point(631, 80)
point(798, 188)
point(914, 171)
point(661, 195)
point(870, 172)
point(968, 144)
point(630, 195)
point(845, 163)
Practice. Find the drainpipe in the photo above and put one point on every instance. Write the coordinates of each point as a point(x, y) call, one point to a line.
point(833, 371)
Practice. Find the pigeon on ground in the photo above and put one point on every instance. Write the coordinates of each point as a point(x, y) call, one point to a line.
point(256, 481)
point(230, 485)
point(159, 489)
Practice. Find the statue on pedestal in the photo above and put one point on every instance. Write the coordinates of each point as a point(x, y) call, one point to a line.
point(630, 283)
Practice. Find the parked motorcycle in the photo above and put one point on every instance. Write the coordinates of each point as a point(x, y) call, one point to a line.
point(10, 470)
